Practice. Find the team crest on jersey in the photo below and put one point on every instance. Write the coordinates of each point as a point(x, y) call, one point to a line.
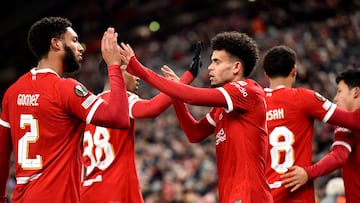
point(80, 90)
point(320, 97)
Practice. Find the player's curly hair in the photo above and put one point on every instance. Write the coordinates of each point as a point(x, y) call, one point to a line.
point(42, 31)
point(239, 45)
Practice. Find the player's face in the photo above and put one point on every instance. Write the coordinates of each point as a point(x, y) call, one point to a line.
point(73, 51)
point(221, 69)
point(344, 96)
point(132, 82)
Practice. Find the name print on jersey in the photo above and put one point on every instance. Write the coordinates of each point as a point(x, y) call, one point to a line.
point(275, 114)
point(28, 99)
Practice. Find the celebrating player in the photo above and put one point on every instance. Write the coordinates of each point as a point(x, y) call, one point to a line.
point(44, 115)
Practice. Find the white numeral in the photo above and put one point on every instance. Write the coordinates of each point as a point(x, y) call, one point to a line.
point(98, 148)
point(280, 147)
point(29, 137)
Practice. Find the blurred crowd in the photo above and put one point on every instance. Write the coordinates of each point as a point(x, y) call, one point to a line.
point(172, 170)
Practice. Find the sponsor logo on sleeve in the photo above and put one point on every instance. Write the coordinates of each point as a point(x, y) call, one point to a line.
point(240, 86)
point(80, 90)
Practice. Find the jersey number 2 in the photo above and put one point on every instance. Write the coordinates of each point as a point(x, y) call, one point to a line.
point(30, 137)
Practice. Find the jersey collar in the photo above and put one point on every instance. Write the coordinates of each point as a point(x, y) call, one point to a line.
point(44, 70)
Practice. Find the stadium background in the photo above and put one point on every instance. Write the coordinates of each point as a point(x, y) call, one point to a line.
point(324, 33)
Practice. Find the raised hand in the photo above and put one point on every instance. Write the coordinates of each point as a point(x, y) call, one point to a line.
point(110, 48)
point(126, 52)
point(196, 62)
point(169, 73)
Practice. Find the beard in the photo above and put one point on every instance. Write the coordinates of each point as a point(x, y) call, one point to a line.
point(71, 64)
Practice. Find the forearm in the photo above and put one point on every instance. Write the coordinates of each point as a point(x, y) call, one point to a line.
point(115, 112)
point(185, 93)
point(158, 104)
point(194, 130)
point(344, 118)
point(335, 159)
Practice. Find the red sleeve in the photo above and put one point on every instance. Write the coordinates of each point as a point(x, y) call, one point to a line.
point(345, 118)
point(5, 154)
point(195, 131)
point(191, 95)
point(333, 160)
point(115, 113)
point(158, 104)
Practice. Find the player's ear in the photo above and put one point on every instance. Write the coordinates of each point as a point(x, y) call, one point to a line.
point(356, 92)
point(293, 71)
point(238, 66)
point(56, 43)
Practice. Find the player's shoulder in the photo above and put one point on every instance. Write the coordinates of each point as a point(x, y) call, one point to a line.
point(299, 92)
point(244, 86)
point(70, 84)
point(18, 84)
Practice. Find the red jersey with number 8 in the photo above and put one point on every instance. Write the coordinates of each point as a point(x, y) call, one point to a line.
point(290, 116)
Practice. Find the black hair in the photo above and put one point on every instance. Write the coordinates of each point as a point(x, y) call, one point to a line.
point(351, 78)
point(103, 69)
point(279, 61)
point(42, 31)
point(239, 45)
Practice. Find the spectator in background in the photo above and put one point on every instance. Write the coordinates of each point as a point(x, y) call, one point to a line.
point(334, 191)
point(43, 115)
point(109, 154)
point(237, 119)
point(345, 150)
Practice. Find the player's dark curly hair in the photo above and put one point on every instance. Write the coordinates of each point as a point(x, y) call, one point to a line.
point(279, 61)
point(42, 31)
point(239, 45)
point(350, 77)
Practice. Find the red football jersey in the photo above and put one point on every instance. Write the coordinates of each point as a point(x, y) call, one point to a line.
point(109, 158)
point(350, 174)
point(241, 135)
point(46, 115)
point(290, 118)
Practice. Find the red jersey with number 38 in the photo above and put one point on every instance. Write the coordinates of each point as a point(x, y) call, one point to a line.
point(109, 158)
point(290, 118)
point(46, 114)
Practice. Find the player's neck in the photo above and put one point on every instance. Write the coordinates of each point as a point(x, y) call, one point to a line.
point(51, 64)
point(280, 81)
point(106, 86)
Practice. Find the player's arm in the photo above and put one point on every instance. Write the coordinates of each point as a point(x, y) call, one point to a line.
point(156, 105)
point(194, 130)
point(192, 95)
point(346, 118)
point(5, 154)
point(321, 108)
point(298, 176)
point(115, 113)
